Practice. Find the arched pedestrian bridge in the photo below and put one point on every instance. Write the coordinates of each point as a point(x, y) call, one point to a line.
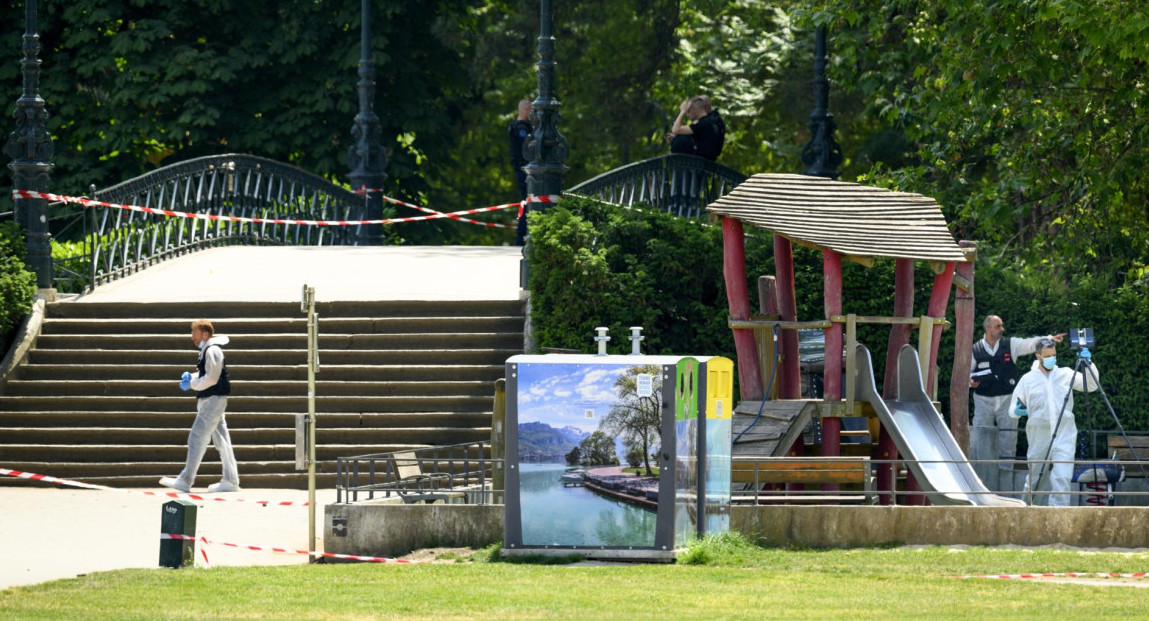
point(412, 338)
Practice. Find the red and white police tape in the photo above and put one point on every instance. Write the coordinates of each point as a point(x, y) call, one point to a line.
point(186, 496)
point(436, 215)
point(1060, 575)
point(352, 557)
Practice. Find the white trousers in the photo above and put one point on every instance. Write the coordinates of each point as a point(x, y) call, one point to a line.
point(1055, 477)
point(210, 425)
point(994, 412)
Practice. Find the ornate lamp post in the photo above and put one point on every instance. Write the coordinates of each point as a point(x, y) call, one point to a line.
point(546, 149)
point(822, 155)
point(30, 148)
point(366, 157)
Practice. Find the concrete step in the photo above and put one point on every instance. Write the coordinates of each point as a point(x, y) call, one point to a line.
point(240, 388)
point(240, 326)
point(297, 372)
point(243, 420)
point(174, 453)
point(327, 342)
point(282, 477)
point(185, 357)
point(98, 402)
point(211, 466)
point(237, 403)
point(189, 311)
point(15, 437)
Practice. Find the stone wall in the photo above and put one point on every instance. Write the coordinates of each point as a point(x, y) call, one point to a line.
point(396, 529)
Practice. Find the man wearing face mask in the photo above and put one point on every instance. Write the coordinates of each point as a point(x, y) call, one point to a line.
point(1040, 395)
point(212, 386)
point(993, 376)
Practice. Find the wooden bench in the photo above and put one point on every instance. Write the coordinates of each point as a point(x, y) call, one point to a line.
point(749, 475)
point(1137, 449)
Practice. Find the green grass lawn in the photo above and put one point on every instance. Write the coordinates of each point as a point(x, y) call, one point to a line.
point(719, 579)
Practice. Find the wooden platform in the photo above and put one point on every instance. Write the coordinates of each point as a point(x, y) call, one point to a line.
point(780, 424)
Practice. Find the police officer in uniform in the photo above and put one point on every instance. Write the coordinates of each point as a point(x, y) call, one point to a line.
point(517, 133)
point(993, 376)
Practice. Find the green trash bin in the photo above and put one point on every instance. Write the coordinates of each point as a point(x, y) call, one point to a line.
point(178, 518)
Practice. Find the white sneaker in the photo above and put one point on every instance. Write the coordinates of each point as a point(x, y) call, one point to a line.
point(175, 483)
point(221, 487)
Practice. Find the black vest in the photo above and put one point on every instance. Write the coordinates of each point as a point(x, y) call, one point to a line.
point(1003, 374)
point(222, 387)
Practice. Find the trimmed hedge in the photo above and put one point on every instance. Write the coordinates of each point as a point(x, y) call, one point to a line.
point(599, 265)
point(17, 284)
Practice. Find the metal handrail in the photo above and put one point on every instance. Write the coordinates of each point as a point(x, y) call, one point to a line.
point(682, 185)
point(463, 469)
point(760, 492)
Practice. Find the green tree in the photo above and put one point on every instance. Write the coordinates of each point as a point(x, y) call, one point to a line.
point(597, 449)
point(133, 84)
point(1026, 120)
point(574, 457)
point(636, 419)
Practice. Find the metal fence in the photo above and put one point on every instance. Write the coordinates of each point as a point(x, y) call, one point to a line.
point(682, 185)
point(454, 474)
point(118, 242)
point(853, 480)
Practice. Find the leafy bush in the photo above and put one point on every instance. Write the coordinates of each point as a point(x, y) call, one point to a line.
point(17, 284)
point(598, 265)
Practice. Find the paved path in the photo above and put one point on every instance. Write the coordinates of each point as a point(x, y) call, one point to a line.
point(47, 533)
point(278, 273)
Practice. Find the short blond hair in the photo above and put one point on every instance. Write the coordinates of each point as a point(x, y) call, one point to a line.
point(203, 325)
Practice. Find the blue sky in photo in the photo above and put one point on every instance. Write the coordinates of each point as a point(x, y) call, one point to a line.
point(560, 394)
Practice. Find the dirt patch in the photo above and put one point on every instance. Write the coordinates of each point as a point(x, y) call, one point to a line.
point(442, 555)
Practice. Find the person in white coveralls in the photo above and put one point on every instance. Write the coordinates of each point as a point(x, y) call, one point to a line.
point(1041, 394)
point(212, 386)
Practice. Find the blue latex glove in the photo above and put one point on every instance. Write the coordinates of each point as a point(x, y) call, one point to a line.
point(1085, 353)
point(1019, 409)
point(185, 381)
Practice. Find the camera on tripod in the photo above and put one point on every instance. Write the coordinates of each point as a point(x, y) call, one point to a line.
point(1081, 338)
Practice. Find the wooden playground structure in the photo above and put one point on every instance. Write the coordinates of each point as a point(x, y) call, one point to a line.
point(857, 223)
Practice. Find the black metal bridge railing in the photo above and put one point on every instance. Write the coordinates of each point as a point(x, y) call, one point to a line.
point(118, 242)
point(682, 185)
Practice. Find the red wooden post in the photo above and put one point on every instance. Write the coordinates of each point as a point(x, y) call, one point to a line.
point(899, 336)
point(832, 380)
point(939, 300)
point(789, 377)
point(737, 296)
point(963, 336)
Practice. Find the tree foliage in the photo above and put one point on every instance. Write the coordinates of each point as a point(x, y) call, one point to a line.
point(1027, 120)
point(134, 84)
point(597, 449)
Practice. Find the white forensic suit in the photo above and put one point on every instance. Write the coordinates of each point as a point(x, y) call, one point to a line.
point(1043, 395)
point(212, 386)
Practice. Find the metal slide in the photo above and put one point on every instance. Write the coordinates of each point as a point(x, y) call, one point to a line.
point(922, 437)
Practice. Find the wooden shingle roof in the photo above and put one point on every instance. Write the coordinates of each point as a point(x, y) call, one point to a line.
point(848, 218)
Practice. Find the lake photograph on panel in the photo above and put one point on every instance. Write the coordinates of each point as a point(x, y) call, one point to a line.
point(588, 437)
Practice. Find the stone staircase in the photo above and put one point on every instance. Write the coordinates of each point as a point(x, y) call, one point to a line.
point(98, 400)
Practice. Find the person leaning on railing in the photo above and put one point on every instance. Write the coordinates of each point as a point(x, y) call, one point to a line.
point(706, 133)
